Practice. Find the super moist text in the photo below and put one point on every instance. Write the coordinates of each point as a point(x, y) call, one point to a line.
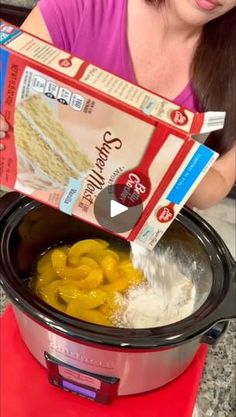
point(95, 180)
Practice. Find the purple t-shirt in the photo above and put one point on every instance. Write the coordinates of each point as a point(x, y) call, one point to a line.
point(96, 31)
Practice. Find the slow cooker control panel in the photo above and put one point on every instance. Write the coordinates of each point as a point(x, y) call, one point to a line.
point(102, 389)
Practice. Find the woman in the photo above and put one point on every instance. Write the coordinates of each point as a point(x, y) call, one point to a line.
point(184, 50)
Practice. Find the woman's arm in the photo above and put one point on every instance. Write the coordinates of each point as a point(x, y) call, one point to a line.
point(217, 183)
point(35, 24)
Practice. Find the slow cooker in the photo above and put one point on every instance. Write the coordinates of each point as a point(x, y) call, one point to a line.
point(101, 362)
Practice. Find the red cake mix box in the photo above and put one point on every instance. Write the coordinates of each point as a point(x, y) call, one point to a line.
point(94, 145)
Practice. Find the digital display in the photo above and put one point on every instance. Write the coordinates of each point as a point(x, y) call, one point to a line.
point(79, 390)
point(79, 378)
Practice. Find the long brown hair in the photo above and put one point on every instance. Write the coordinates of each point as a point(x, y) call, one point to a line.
point(213, 75)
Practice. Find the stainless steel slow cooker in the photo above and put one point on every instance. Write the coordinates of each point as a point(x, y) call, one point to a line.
point(101, 362)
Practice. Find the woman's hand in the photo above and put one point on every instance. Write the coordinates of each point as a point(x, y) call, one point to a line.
point(3, 127)
point(217, 183)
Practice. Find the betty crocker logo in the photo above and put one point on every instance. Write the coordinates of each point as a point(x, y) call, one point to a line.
point(165, 214)
point(65, 62)
point(134, 188)
point(179, 117)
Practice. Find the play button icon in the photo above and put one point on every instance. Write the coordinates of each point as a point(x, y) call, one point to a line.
point(111, 214)
point(117, 208)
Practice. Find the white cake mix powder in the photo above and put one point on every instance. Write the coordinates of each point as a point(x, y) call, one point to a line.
point(166, 297)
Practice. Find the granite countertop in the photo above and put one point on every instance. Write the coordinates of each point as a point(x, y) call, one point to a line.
point(217, 396)
point(217, 391)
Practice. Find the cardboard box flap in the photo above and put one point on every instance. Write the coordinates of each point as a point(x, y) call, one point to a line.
point(152, 105)
point(120, 90)
point(208, 122)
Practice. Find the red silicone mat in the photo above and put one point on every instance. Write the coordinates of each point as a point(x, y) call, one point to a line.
point(25, 391)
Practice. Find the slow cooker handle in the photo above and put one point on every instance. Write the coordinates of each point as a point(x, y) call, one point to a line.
point(7, 201)
point(228, 307)
point(213, 336)
point(225, 312)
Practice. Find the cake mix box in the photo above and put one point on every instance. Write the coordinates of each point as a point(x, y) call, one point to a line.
point(77, 130)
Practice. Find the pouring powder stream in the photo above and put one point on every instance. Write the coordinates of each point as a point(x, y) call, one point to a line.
point(167, 295)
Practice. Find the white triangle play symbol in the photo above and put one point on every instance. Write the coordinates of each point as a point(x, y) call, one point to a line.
point(117, 208)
